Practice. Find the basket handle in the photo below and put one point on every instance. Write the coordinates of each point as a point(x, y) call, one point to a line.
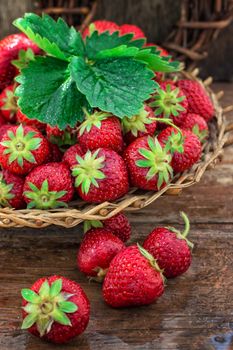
point(229, 128)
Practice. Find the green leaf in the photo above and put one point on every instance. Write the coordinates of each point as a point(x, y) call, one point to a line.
point(156, 62)
point(67, 306)
point(119, 86)
point(120, 51)
point(56, 287)
point(47, 93)
point(54, 37)
point(105, 41)
point(30, 296)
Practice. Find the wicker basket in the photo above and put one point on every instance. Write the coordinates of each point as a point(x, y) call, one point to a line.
point(79, 211)
point(200, 23)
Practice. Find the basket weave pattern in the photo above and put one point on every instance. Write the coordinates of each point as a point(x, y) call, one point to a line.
point(79, 211)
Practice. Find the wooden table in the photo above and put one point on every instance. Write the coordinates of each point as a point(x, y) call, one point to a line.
point(195, 312)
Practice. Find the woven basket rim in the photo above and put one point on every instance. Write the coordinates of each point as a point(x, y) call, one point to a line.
point(135, 199)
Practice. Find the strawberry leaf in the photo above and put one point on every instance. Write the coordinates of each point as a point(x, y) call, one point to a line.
point(54, 37)
point(116, 85)
point(47, 93)
point(156, 62)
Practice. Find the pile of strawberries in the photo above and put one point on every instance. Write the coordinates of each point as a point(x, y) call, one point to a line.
point(99, 159)
point(43, 167)
point(57, 309)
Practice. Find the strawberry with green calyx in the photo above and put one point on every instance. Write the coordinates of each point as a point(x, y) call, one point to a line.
point(118, 224)
point(55, 309)
point(169, 102)
point(139, 125)
point(100, 175)
point(186, 151)
point(100, 130)
point(8, 103)
point(24, 120)
point(97, 249)
point(197, 125)
point(70, 154)
point(100, 26)
point(132, 29)
point(133, 279)
point(48, 186)
point(149, 163)
point(11, 190)
point(170, 248)
point(22, 148)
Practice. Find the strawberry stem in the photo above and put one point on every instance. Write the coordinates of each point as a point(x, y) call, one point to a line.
point(186, 223)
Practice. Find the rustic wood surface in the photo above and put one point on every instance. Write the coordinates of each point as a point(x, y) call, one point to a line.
point(195, 312)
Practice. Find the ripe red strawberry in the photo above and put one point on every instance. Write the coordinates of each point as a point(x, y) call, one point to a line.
point(11, 190)
point(133, 279)
point(97, 249)
point(61, 137)
point(101, 26)
point(100, 129)
point(185, 152)
point(9, 50)
point(22, 148)
point(8, 104)
point(3, 129)
point(55, 309)
point(70, 154)
point(55, 154)
point(149, 164)
point(170, 248)
point(118, 224)
point(139, 125)
point(132, 29)
point(169, 102)
point(48, 186)
point(23, 119)
point(197, 125)
point(100, 176)
point(198, 100)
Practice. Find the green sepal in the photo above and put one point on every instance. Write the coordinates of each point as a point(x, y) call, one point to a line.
point(24, 58)
point(91, 120)
point(88, 224)
point(151, 260)
point(43, 198)
point(88, 170)
point(175, 143)
point(46, 307)
point(158, 160)
point(5, 192)
point(136, 123)
point(201, 134)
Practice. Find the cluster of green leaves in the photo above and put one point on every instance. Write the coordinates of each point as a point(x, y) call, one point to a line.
point(106, 71)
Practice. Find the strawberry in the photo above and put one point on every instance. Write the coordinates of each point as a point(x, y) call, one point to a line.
point(55, 154)
point(11, 190)
point(197, 125)
point(2, 121)
point(97, 249)
point(9, 50)
point(8, 104)
point(3, 129)
point(22, 148)
point(100, 129)
point(186, 150)
point(23, 119)
point(100, 175)
point(118, 224)
point(55, 309)
point(48, 186)
point(169, 102)
point(133, 279)
point(198, 100)
point(149, 163)
point(170, 248)
point(139, 125)
point(132, 29)
point(61, 137)
point(101, 26)
point(70, 154)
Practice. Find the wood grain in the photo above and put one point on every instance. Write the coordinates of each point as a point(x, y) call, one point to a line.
point(195, 312)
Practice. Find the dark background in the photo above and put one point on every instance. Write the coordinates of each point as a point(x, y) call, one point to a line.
point(156, 17)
